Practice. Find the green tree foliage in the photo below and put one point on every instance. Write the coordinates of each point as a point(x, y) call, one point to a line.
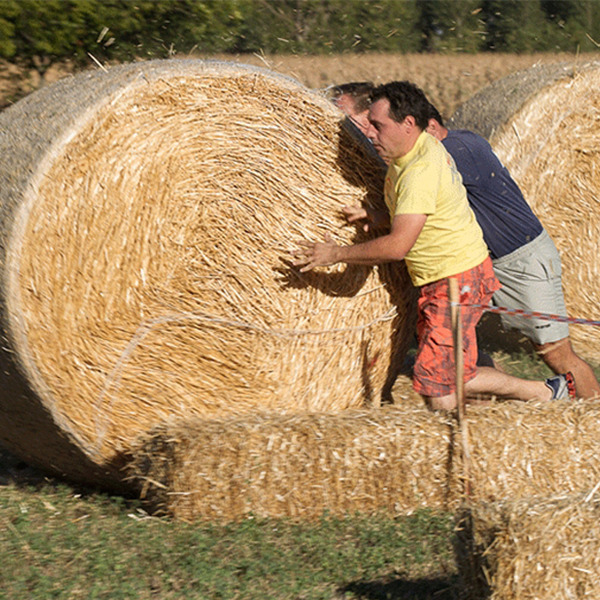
point(451, 25)
point(576, 23)
point(8, 12)
point(42, 32)
point(320, 26)
point(157, 27)
point(383, 25)
point(514, 26)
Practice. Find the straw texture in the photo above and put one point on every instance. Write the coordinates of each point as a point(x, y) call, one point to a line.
point(391, 460)
point(149, 215)
point(532, 549)
point(545, 128)
point(522, 449)
point(394, 460)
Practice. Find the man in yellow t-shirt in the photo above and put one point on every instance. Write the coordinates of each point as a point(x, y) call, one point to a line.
point(434, 230)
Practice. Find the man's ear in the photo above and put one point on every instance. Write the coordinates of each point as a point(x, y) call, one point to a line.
point(432, 127)
point(410, 121)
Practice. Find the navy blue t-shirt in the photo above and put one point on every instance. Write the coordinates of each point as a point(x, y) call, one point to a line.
point(501, 210)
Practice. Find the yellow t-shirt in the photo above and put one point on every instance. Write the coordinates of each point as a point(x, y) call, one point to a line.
point(426, 181)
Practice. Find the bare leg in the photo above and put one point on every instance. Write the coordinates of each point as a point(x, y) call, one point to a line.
point(490, 381)
point(561, 357)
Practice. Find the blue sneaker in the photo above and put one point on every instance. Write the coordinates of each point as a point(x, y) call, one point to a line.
point(562, 386)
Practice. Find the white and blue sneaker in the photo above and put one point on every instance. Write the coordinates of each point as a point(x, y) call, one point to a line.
point(562, 386)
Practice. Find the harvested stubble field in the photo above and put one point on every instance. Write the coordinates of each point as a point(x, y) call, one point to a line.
point(448, 80)
point(359, 559)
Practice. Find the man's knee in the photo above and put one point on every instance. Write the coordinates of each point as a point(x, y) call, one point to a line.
point(441, 402)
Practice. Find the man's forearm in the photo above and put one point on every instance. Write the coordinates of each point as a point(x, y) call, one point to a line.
point(379, 219)
point(377, 251)
point(390, 247)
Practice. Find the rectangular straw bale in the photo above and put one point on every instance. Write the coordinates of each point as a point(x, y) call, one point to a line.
point(531, 549)
point(393, 460)
point(525, 449)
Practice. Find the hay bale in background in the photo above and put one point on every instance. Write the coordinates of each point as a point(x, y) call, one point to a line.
point(147, 215)
point(531, 549)
point(484, 114)
point(393, 460)
point(544, 124)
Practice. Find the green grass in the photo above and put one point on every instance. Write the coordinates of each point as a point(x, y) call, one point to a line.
point(59, 543)
point(527, 365)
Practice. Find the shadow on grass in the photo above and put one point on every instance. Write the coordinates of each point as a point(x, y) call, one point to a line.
point(437, 588)
point(14, 470)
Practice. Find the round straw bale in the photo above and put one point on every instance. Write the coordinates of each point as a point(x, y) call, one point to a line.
point(544, 123)
point(148, 216)
point(531, 549)
point(392, 461)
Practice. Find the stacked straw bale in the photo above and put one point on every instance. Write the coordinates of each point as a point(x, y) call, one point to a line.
point(544, 125)
point(531, 549)
point(394, 460)
point(148, 218)
point(523, 449)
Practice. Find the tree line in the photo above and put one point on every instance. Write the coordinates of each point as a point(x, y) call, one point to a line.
point(40, 32)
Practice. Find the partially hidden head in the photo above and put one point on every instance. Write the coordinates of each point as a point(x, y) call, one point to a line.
point(354, 99)
point(435, 125)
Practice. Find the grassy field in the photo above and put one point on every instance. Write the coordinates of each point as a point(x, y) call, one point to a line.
point(62, 542)
point(58, 542)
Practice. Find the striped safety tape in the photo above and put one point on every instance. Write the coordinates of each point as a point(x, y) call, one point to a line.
point(530, 314)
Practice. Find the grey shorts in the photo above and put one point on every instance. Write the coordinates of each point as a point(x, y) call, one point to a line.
point(531, 281)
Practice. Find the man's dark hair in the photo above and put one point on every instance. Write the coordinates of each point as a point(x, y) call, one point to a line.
point(405, 99)
point(359, 91)
point(435, 114)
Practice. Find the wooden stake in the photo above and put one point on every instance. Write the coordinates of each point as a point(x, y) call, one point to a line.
point(460, 379)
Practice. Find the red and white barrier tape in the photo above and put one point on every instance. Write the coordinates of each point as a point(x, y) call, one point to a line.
point(532, 314)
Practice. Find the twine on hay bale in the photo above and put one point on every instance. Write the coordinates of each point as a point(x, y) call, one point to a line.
point(544, 124)
point(148, 212)
point(395, 460)
point(531, 549)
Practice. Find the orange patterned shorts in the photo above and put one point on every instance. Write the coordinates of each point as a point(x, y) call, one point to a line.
point(434, 372)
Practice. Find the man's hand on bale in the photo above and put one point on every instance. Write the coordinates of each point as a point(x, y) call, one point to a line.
point(316, 254)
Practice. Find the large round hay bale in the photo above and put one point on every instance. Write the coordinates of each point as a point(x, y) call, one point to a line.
point(148, 215)
point(544, 123)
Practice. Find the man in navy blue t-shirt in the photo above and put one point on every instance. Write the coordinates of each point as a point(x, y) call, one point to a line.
point(525, 259)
